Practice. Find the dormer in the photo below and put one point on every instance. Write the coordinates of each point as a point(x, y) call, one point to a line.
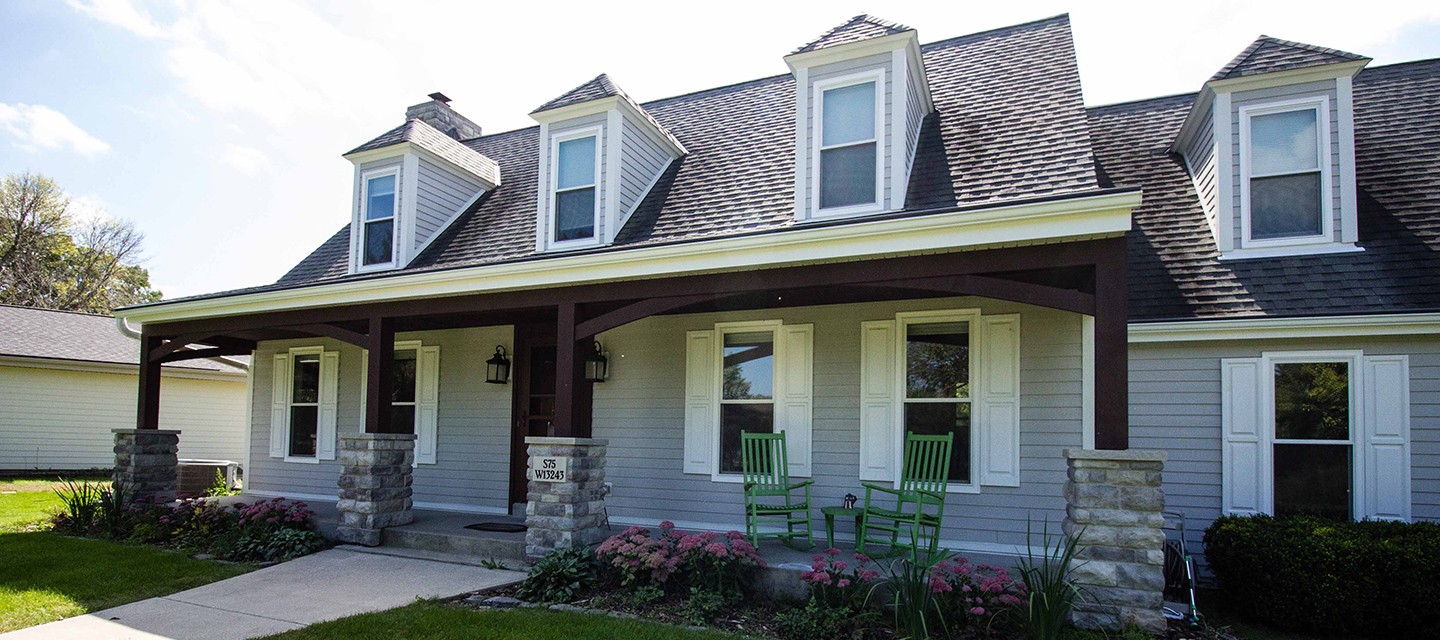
point(413, 181)
point(1270, 146)
point(600, 153)
point(860, 97)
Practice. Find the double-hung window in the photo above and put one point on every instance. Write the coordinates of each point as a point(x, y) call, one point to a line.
point(377, 242)
point(848, 144)
point(747, 391)
point(937, 387)
point(414, 394)
point(1313, 440)
point(1285, 155)
point(575, 204)
point(402, 395)
point(304, 405)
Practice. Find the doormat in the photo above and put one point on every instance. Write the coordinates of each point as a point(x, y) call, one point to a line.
point(497, 527)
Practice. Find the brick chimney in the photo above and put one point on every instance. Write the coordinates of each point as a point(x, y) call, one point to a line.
point(437, 113)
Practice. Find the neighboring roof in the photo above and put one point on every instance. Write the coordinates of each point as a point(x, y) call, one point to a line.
point(427, 137)
point(1009, 125)
point(593, 89)
point(861, 27)
point(79, 337)
point(1175, 273)
point(1267, 55)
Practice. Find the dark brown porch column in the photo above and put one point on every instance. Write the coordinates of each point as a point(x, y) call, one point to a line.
point(146, 458)
point(573, 393)
point(1112, 349)
point(380, 381)
point(147, 414)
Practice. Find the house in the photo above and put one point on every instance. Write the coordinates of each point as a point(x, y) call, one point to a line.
point(1238, 286)
point(67, 379)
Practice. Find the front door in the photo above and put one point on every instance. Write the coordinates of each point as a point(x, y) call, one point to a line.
point(534, 403)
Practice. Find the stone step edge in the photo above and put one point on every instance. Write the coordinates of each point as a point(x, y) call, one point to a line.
point(513, 565)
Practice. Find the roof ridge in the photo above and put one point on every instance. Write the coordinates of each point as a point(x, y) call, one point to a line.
point(604, 87)
point(864, 18)
point(1254, 47)
point(49, 310)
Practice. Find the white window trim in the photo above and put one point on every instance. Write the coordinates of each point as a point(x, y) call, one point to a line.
point(1352, 360)
point(721, 329)
point(290, 402)
point(1321, 106)
point(365, 178)
point(903, 321)
point(817, 135)
point(551, 210)
point(400, 345)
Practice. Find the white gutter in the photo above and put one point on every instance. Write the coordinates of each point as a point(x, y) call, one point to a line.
point(1282, 328)
point(124, 327)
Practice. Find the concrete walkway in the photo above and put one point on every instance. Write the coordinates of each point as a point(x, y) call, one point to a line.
point(324, 586)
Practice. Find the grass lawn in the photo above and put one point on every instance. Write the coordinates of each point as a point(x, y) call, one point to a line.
point(437, 621)
point(26, 500)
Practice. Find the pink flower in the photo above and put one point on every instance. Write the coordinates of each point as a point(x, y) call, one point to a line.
point(867, 574)
point(939, 586)
point(977, 611)
point(842, 583)
point(1009, 599)
point(862, 558)
point(735, 535)
point(666, 524)
point(832, 551)
point(717, 549)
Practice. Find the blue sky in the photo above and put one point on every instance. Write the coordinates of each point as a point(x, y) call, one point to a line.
point(218, 126)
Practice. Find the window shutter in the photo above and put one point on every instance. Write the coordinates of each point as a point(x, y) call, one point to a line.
point(1385, 404)
point(701, 401)
point(279, 404)
point(427, 404)
point(329, 401)
point(1245, 444)
point(999, 415)
point(879, 434)
point(795, 389)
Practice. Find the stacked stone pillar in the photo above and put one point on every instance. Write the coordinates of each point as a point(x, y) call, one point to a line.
point(1113, 501)
point(374, 485)
point(145, 463)
point(564, 510)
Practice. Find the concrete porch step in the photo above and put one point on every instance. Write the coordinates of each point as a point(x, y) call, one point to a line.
point(507, 548)
point(435, 556)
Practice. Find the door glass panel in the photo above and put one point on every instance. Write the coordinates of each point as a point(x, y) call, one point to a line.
point(1312, 401)
point(737, 418)
point(749, 369)
point(938, 419)
point(1313, 479)
point(937, 360)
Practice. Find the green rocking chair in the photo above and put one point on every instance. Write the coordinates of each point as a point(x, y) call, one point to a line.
point(919, 501)
point(769, 494)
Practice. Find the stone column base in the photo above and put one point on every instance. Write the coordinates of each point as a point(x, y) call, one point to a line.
point(145, 463)
point(374, 485)
point(1113, 501)
point(567, 500)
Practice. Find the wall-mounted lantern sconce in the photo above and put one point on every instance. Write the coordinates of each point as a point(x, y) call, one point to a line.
point(497, 368)
point(596, 365)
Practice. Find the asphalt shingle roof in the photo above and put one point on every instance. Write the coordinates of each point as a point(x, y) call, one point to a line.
point(1175, 272)
point(435, 141)
point(593, 89)
point(83, 337)
point(1009, 125)
point(861, 27)
point(1267, 54)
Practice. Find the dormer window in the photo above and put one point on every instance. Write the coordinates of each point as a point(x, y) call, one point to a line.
point(848, 145)
point(576, 209)
point(379, 217)
point(1284, 150)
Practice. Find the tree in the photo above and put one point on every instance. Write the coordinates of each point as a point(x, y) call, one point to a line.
point(52, 260)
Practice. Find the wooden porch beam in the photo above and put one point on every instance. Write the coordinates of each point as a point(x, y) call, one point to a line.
point(327, 330)
point(177, 343)
point(380, 379)
point(1002, 289)
point(208, 352)
point(635, 311)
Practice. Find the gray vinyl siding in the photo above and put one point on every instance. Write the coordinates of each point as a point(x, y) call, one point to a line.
point(1202, 162)
point(641, 161)
point(1175, 406)
point(473, 430)
point(825, 72)
point(913, 119)
point(439, 195)
point(1264, 96)
point(640, 410)
point(562, 128)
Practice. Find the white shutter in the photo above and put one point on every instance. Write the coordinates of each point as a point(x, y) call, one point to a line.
point(1385, 437)
point(793, 402)
point(329, 402)
point(701, 401)
point(1245, 479)
point(999, 400)
point(279, 404)
point(427, 403)
point(879, 435)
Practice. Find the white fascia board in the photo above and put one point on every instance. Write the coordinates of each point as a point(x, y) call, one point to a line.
point(1281, 328)
point(1079, 218)
point(402, 149)
point(850, 50)
point(1286, 78)
point(578, 110)
point(383, 153)
point(88, 366)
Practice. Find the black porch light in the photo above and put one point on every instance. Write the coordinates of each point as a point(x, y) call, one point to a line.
point(596, 365)
point(497, 368)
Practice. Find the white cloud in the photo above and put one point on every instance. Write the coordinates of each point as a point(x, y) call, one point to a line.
point(244, 159)
point(36, 126)
point(88, 207)
point(121, 13)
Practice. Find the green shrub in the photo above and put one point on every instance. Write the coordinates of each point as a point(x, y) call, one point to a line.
point(703, 605)
point(817, 621)
point(258, 545)
point(1313, 575)
point(562, 575)
point(82, 508)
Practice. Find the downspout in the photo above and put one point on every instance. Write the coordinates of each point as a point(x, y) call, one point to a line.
point(124, 328)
